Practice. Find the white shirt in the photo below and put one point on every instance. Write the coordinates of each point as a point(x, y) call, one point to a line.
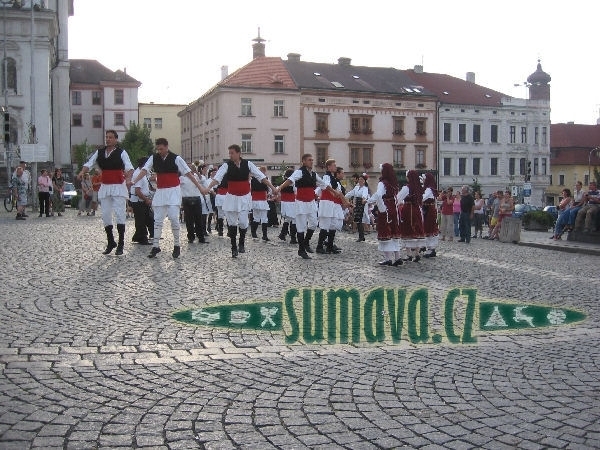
point(143, 184)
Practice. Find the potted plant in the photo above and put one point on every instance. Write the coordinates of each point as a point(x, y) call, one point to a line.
point(537, 220)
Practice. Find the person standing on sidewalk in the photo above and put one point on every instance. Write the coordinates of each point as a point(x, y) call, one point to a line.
point(167, 199)
point(467, 209)
point(141, 201)
point(44, 183)
point(116, 170)
point(237, 202)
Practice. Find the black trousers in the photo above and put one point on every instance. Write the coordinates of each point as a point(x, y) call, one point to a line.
point(44, 198)
point(144, 221)
point(192, 215)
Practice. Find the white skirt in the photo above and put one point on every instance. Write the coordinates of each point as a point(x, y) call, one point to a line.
point(237, 203)
point(113, 190)
point(167, 197)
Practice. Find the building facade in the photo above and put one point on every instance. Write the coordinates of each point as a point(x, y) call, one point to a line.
point(162, 120)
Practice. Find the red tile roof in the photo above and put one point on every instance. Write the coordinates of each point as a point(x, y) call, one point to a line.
point(455, 91)
point(571, 144)
point(262, 72)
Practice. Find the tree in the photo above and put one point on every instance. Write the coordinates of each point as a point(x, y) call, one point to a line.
point(475, 186)
point(137, 142)
point(82, 153)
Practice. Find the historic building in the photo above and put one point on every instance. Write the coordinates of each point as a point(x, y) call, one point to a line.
point(35, 80)
point(162, 120)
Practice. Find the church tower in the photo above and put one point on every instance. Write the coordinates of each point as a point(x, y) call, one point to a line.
point(539, 87)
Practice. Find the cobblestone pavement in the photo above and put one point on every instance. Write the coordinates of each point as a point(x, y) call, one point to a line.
point(91, 357)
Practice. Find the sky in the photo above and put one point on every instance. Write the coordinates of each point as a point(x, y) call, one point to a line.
point(176, 48)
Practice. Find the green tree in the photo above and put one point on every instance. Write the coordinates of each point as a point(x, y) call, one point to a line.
point(82, 153)
point(475, 186)
point(137, 142)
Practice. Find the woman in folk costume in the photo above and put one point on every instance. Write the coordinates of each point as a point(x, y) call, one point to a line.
point(411, 226)
point(360, 193)
point(388, 233)
point(430, 223)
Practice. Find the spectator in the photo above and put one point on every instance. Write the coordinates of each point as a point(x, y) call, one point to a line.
point(479, 216)
point(191, 199)
point(563, 214)
point(456, 213)
point(588, 212)
point(141, 200)
point(467, 207)
point(494, 213)
point(44, 187)
point(96, 183)
point(18, 184)
point(447, 214)
point(578, 201)
point(86, 195)
point(58, 189)
point(506, 208)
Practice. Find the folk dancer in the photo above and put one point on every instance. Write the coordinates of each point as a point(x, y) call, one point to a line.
point(288, 211)
point(260, 206)
point(388, 231)
point(411, 226)
point(306, 181)
point(360, 194)
point(430, 223)
point(113, 194)
point(236, 205)
point(330, 213)
point(167, 199)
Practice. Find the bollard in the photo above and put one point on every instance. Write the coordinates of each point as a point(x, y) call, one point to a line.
point(510, 230)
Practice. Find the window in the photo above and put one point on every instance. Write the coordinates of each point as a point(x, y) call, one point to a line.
point(476, 166)
point(494, 134)
point(561, 180)
point(361, 156)
point(511, 166)
point(398, 155)
point(536, 166)
point(97, 121)
point(278, 110)
point(119, 119)
point(522, 169)
point(321, 156)
point(322, 123)
point(279, 144)
point(462, 132)
point(96, 98)
point(545, 167)
point(447, 166)
point(420, 162)
point(361, 124)
point(76, 98)
point(421, 127)
point(246, 107)
point(158, 123)
point(586, 179)
point(147, 122)
point(398, 126)
point(246, 143)
point(119, 97)
point(513, 134)
point(11, 74)
point(523, 135)
point(476, 133)
point(544, 135)
point(76, 120)
point(447, 132)
point(536, 137)
point(462, 166)
point(494, 166)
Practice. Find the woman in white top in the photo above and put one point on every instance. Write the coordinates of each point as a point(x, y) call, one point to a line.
point(360, 193)
point(479, 215)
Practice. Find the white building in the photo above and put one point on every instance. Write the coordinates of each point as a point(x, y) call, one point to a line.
point(35, 76)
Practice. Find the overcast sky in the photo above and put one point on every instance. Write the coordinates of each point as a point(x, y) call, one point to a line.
point(176, 48)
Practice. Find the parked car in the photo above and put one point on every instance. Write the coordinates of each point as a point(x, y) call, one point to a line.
point(552, 210)
point(69, 193)
point(521, 209)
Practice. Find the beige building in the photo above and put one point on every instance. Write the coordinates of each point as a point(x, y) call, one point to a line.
point(162, 120)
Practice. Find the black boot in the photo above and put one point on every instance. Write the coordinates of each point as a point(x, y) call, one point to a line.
point(264, 230)
point(253, 228)
point(307, 237)
point(331, 247)
point(121, 244)
point(111, 244)
point(220, 227)
point(361, 232)
point(293, 233)
point(321, 241)
point(301, 250)
point(242, 241)
point(284, 230)
point(232, 233)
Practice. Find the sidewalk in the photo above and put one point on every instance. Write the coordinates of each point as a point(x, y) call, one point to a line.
point(542, 239)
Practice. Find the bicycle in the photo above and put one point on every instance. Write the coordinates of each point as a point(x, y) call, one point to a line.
point(10, 201)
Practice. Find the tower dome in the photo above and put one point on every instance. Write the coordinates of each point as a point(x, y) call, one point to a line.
point(539, 76)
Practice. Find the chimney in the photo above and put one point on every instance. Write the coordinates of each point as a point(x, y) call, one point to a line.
point(224, 72)
point(471, 77)
point(343, 61)
point(418, 68)
point(294, 57)
point(258, 49)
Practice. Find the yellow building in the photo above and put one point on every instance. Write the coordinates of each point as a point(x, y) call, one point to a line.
point(163, 122)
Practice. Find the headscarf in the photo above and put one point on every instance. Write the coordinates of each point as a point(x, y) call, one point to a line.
point(389, 180)
point(430, 183)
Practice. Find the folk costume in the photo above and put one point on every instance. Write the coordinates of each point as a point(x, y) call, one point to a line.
point(330, 214)
point(360, 194)
point(430, 223)
point(142, 212)
point(113, 193)
point(191, 201)
point(288, 211)
point(219, 199)
point(260, 208)
point(237, 201)
point(411, 227)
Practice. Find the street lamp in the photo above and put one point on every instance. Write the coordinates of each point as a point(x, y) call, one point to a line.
point(596, 149)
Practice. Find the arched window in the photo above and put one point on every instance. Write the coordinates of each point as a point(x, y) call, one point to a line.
point(11, 74)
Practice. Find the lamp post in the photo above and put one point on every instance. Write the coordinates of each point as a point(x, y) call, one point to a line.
point(595, 149)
